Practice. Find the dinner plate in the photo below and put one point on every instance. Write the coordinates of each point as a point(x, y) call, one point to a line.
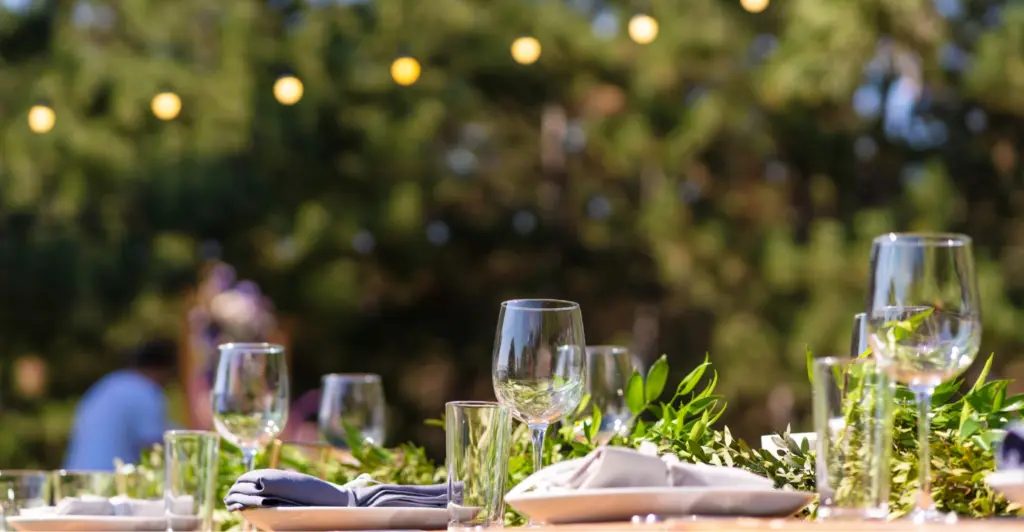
point(92, 523)
point(1009, 484)
point(621, 504)
point(320, 518)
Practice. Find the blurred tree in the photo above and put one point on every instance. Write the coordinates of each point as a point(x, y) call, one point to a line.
point(715, 190)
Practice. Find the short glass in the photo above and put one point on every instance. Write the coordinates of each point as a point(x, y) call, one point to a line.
point(22, 489)
point(78, 483)
point(479, 438)
point(190, 481)
point(853, 411)
point(609, 368)
point(351, 401)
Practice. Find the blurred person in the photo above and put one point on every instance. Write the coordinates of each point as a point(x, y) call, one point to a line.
point(125, 412)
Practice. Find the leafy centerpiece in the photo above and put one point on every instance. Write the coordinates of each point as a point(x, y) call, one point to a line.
point(966, 426)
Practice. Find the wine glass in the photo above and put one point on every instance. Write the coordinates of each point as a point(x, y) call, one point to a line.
point(539, 366)
point(250, 396)
point(354, 400)
point(609, 368)
point(924, 325)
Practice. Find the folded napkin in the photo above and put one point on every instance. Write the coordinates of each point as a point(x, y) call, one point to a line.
point(272, 487)
point(114, 506)
point(620, 467)
point(1011, 450)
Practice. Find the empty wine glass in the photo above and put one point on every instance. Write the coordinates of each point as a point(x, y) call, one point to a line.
point(250, 396)
point(352, 400)
point(539, 366)
point(609, 368)
point(924, 325)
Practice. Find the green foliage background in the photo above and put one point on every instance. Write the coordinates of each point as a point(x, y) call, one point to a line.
point(719, 181)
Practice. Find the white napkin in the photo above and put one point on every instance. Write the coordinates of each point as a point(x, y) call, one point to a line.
point(620, 467)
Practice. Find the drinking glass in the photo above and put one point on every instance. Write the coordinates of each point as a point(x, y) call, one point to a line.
point(250, 396)
point(853, 418)
point(21, 489)
point(924, 325)
point(67, 483)
point(538, 367)
point(478, 437)
point(609, 368)
point(859, 338)
point(356, 401)
point(190, 481)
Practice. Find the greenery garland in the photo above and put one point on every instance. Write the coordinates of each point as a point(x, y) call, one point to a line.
point(965, 429)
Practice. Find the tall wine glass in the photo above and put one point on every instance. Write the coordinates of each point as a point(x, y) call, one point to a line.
point(250, 396)
point(353, 400)
point(924, 325)
point(539, 363)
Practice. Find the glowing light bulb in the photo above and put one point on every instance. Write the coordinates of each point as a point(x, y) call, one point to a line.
point(643, 29)
point(41, 118)
point(288, 90)
point(754, 6)
point(526, 50)
point(405, 70)
point(166, 105)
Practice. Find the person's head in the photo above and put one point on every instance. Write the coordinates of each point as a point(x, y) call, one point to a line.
point(157, 359)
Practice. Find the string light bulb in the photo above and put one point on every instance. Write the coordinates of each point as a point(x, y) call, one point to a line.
point(288, 90)
point(754, 6)
point(643, 29)
point(41, 118)
point(526, 50)
point(405, 70)
point(166, 105)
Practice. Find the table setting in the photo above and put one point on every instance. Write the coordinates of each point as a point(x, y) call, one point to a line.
point(920, 330)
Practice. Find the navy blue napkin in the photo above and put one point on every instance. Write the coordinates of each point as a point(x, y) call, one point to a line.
point(269, 488)
point(1011, 451)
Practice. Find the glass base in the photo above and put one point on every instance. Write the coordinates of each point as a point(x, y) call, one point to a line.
point(931, 516)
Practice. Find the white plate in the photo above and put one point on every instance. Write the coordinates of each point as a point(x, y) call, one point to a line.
point(335, 518)
point(621, 504)
point(87, 523)
point(1009, 484)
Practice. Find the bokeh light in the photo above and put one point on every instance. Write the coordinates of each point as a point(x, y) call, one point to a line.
point(526, 50)
point(643, 29)
point(405, 70)
point(288, 90)
point(41, 118)
point(754, 6)
point(166, 105)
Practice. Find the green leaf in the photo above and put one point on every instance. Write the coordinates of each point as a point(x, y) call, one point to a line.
point(656, 378)
point(980, 381)
point(595, 424)
point(689, 382)
point(810, 364)
point(635, 393)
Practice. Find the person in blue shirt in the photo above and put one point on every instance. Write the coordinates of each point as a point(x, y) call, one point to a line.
point(125, 412)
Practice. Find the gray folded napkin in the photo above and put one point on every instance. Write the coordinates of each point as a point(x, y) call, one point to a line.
point(264, 488)
point(620, 467)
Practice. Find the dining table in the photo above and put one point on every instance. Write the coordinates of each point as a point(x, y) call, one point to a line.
point(713, 524)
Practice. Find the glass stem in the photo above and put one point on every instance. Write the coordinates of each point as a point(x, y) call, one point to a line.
point(537, 433)
point(923, 395)
point(249, 458)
